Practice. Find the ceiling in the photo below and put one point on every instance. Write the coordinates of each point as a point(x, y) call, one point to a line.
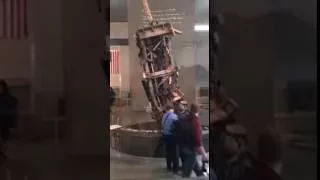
point(118, 10)
point(119, 13)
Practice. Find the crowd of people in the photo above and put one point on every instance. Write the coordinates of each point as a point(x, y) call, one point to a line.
point(182, 135)
point(230, 157)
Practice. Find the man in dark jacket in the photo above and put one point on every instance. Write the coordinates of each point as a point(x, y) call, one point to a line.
point(189, 137)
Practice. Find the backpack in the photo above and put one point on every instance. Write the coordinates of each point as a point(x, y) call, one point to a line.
point(184, 132)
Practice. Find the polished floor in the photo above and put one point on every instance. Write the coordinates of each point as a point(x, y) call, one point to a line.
point(47, 160)
point(126, 167)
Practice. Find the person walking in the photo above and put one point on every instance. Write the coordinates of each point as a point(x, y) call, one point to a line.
point(168, 119)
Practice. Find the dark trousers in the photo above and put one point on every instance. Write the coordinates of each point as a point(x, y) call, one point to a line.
point(181, 155)
point(4, 129)
point(190, 162)
point(172, 157)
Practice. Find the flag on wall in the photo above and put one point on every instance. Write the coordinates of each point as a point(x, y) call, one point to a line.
point(114, 61)
point(13, 19)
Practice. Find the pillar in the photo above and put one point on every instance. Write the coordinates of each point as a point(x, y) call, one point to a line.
point(85, 89)
point(46, 61)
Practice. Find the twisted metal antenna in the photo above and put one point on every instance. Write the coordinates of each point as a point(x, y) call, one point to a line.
point(147, 11)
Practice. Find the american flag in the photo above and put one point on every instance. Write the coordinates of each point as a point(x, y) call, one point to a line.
point(115, 61)
point(13, 19)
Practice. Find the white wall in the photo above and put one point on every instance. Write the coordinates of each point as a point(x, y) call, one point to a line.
point(185, 56)
point(202, 55)
point(119, 30)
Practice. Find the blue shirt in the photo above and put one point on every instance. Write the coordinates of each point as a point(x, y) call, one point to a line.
point(167, 122)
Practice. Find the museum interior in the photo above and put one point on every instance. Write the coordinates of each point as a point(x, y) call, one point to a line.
point(50, 54)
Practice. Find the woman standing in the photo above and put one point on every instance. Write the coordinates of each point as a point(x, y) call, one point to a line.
point(191, 143)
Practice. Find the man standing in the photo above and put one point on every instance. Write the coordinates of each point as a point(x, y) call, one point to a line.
point(190, 142)
point(168, 120)
point(182, 113)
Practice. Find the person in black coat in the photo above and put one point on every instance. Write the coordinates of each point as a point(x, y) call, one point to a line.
point(8, 111)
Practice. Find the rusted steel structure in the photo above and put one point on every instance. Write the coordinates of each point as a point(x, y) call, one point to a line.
point(160, 74)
